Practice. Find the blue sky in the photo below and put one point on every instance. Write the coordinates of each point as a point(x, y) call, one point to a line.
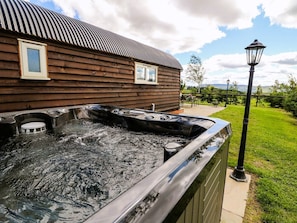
point(215, 31)
point(236, 40)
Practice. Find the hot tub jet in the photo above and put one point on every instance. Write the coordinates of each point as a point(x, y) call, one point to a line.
point(33, 127)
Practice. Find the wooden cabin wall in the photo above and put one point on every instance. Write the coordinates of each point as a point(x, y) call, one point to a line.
point(80, 76)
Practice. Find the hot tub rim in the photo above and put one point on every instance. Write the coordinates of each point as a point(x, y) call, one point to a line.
point(127, 202)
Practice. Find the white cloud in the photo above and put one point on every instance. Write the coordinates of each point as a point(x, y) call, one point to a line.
point(271, 68)
point(178, 26)
point(281, 12)
point(174, 26)
point(229, 13)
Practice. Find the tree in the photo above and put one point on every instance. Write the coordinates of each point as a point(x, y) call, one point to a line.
point(285, 95)
point(290, 101)
point(277, 95)
point(208, 93)
point(195, 71)
point(233, 92)
point(259, 94)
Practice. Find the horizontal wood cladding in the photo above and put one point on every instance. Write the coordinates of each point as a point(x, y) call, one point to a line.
point(23, 91)
point(79, 76)
point(103, 98)
point(60, 103)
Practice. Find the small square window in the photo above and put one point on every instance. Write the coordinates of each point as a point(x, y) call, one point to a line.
point(145, 74)
point(33, 60)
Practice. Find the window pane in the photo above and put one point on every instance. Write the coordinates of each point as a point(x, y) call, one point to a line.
point(33, 60)
point(152, 74)
point(140, 73)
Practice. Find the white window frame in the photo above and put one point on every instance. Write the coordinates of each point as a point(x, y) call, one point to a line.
point(145, 77)
point(24, 45)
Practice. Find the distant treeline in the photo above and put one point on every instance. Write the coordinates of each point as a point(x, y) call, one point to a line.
point(280, 95)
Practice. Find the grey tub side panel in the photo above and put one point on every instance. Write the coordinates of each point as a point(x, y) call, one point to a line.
point(206, 203)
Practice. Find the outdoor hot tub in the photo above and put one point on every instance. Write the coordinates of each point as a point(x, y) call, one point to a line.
point(97, 163)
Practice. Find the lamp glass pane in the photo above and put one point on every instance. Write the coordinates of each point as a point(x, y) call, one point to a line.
point(253, 56)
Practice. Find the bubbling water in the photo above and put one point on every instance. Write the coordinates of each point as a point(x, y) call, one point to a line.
point(68, 175)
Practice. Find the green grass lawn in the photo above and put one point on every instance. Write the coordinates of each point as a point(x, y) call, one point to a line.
point(271, 154)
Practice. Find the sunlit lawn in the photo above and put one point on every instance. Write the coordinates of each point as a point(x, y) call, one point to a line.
point(271, 154)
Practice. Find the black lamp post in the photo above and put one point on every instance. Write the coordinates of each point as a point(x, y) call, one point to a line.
point(228, 82)
point(253, 55)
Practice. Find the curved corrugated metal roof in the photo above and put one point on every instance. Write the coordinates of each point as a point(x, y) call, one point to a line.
point(24, 17)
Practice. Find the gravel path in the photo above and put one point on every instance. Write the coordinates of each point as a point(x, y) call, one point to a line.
point(200, 110)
